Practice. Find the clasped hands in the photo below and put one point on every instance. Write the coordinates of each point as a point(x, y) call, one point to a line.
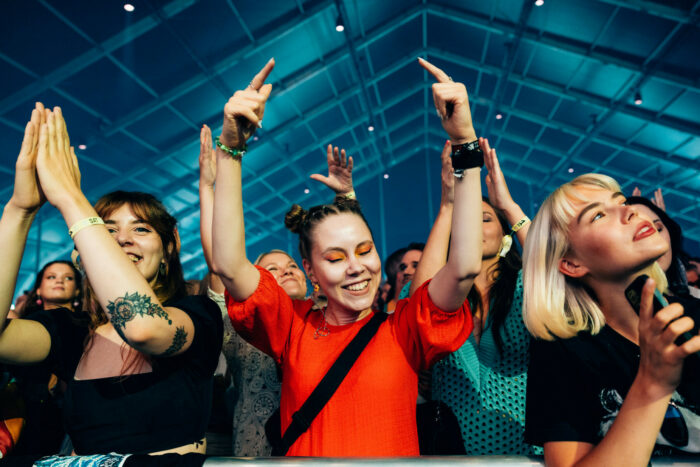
point(47, 167)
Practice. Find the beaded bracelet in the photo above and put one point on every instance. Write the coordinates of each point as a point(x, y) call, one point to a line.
point(81, 224)
point(236, 153)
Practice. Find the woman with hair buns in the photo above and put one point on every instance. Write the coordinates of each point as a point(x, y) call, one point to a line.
point(255, 374)
point(372, 412)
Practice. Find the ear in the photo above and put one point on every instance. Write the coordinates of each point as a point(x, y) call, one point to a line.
point(177, 242)
point(572, 268)
point(307, 268)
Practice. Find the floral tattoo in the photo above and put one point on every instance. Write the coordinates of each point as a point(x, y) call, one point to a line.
point(126, 308)
point(179, 340)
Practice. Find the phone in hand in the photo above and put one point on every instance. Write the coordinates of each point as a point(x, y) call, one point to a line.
point(634, 296)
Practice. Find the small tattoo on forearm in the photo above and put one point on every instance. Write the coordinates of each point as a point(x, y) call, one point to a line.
point(179, 340)
point(130, 306)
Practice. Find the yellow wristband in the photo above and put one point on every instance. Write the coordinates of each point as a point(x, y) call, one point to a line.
point(350, 195)
point(81, 224)
point(520, 224)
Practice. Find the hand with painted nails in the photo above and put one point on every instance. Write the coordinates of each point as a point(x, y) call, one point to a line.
point(340, 166)
point(452, 105)
point(207, 161)
point(244, 111)
point(57, 164)
point(28, 195)
point(447, 175)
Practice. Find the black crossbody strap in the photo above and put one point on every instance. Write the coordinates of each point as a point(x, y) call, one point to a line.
point(302, 418)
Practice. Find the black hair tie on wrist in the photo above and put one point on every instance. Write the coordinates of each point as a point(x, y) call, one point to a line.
point(466, 156)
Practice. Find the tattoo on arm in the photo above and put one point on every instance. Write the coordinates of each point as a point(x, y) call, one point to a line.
point(179, 340)
point(130, 306)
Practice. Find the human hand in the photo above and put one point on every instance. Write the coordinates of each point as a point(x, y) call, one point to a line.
point(452, 105)
point(659, 199)
point(28, 195)
point(447, 175)
point(499, 195)
point(207, 161)
point(57, 165)
point(244, 111)
point(636, 191)
point(339, 177)
point(661, 360)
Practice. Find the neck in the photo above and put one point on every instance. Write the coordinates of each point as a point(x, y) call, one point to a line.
point(337, 316)
point(618, 312)
point(53, 306)
point(485, 280)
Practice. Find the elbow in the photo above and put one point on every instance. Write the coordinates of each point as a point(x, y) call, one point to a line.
point(468, 276)
point(469, 271)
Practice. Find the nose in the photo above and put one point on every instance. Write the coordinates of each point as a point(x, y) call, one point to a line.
point(355, 267)
point(628, 212)
point(123, 237)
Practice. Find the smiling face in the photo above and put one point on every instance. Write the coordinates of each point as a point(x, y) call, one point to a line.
point(138, 240)
point(288, 274)
point(345, 263)
point(58, 286)
point(610, 240)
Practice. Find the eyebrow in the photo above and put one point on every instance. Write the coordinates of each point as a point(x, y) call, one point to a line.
point(617, 194)
point(137, 221)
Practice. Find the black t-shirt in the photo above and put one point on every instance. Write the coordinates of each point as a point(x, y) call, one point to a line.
point(141, 413)
point(576, 386)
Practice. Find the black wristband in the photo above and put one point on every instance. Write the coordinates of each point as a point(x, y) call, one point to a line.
point(466, 156)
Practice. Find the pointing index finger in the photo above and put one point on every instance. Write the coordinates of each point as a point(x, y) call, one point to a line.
point(439, 75)
point(259, 79)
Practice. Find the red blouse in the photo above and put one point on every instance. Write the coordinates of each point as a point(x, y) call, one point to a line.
point(373, 412)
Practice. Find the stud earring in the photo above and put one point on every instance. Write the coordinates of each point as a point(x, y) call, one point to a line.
point(316, 287)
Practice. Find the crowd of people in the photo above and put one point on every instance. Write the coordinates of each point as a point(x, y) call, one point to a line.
point(466, 347)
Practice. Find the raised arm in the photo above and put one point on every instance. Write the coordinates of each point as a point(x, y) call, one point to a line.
point(438, 244)
point(242, 114)
point(499, 195)
point(453, 281)
point(21, 341)
point(339, 177)
point(121, 290)
point(207, 177)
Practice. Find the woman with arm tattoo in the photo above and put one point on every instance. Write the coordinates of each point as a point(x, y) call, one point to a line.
point(374, 413)
point(139, 359)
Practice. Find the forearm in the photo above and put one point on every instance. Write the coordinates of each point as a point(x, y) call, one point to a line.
point(436, 247)
point(14, 228)
point(206, 217)
point(452, 283)
point(228, 233)
point(633, 434)
point(514, 214)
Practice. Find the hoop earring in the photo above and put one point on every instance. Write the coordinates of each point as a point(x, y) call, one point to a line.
point(162, 269)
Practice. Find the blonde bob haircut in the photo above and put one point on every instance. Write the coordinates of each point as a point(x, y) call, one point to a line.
point(555, 305)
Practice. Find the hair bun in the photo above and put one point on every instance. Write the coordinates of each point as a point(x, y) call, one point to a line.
point(346, 203)
point(295, 218)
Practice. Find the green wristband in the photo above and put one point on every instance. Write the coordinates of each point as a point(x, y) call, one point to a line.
point(233, 152)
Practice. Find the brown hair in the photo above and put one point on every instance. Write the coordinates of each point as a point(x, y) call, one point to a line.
point(149, 209)
point(302, 222)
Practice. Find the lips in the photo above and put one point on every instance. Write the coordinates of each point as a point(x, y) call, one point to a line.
point(644, 230)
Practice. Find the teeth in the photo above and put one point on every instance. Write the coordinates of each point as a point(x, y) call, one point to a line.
point(133, 258)
point(358, 287)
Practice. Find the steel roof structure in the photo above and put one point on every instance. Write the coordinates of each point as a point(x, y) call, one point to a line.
point(553, 86)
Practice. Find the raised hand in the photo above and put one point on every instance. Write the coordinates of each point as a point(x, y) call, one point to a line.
point(499, 195)
point(452, 105)
point(661, 360)
point(340, 166)
point(659, 199)
point(447, 175)
point(57, 164)
point(636, 191)
point(207, 161)
point(244, 111)
point(27, 194)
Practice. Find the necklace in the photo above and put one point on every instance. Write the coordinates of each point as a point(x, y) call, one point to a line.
point(322, 329)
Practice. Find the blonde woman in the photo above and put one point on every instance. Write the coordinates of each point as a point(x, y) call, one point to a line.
point(606, 382)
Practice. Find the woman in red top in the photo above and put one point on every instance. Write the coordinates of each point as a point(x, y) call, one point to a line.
point(373, 411)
